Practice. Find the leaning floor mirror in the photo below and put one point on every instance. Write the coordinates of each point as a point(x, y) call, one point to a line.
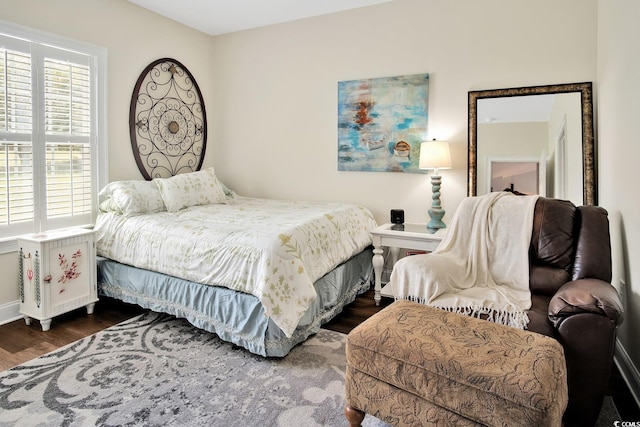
point(533, 140)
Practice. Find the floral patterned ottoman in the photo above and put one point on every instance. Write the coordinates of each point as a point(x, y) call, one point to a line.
point(413, 365)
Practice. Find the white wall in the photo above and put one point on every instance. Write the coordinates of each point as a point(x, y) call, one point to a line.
point(134, 37)
point(271, 93)
point(618, 110)
point(275, 131)
point(567, 108)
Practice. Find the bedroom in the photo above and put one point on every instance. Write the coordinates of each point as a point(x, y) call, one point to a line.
point(284, 78)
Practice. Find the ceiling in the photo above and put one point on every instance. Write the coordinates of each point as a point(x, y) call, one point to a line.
point(515, 109)
point(216, 17)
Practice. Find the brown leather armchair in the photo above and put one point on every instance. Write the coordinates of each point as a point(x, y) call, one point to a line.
point(573, 300)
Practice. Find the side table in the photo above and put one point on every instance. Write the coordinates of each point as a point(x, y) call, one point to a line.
point(396, 236)
point(57, 274)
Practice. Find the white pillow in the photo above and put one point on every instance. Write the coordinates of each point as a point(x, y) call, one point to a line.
point(191, 189)
point(133, 197)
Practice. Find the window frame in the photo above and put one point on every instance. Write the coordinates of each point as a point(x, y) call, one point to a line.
point(99, 159)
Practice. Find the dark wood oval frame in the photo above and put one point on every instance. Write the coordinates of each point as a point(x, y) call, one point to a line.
point(169, 132)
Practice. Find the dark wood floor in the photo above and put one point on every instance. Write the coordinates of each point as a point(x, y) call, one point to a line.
point(19, 342)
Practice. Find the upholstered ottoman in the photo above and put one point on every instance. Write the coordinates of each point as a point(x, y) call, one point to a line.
point(414, 365)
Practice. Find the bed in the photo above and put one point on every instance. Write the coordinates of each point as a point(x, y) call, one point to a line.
point(262, 274)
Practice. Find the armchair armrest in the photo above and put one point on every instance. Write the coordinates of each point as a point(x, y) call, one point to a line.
point(586, 296)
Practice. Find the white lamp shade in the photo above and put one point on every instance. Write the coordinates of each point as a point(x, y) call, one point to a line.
point(435, 155)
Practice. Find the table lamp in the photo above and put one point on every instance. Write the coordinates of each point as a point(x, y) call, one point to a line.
point(435, 155)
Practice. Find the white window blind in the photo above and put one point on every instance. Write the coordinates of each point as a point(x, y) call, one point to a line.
point(67, 118)
point(16, 123)
point(16, 188)
point(48, 138)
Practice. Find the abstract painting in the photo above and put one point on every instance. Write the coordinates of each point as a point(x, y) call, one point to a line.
point(381, 123)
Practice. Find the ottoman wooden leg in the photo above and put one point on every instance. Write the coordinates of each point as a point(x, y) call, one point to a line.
point(354, 416)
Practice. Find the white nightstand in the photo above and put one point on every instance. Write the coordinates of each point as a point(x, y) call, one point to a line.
point(396, 236)
point(57, 274)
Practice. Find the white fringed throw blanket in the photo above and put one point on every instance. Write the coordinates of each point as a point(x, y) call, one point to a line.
point(482, 264)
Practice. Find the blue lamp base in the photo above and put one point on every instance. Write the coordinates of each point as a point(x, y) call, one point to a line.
point(436, 219)
point(436, 212)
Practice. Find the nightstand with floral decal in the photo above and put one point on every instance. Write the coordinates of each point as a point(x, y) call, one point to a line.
point(57, 274)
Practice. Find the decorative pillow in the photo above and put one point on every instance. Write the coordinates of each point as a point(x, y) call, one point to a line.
point(109, 205)
point(191, 189)
point(133, 197)
point(227, 190)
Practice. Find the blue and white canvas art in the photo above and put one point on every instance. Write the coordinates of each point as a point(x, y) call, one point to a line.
point(381, 123)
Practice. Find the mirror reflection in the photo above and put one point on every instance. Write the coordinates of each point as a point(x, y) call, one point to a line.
point(536, 140)
point(522, 177)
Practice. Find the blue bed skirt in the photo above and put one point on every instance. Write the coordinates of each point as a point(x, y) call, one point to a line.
point(235, 316)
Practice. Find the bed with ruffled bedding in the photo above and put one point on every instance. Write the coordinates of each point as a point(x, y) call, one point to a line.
point(263, 274)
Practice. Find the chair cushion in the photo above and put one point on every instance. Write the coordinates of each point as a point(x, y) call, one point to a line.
point(546, 280)
point(552, 244)
point(593, 251)
point(488, 373)
point(539, 316)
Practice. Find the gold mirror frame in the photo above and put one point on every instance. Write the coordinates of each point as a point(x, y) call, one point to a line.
point(588, 143)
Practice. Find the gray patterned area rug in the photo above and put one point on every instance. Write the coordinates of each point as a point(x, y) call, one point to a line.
point(155, 370)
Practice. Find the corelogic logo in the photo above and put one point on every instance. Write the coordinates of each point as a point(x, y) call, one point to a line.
point(626, 424)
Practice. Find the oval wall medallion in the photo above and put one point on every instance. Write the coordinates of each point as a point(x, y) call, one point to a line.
point(167, 121)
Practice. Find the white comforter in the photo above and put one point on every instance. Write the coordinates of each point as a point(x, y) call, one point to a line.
point(272, 249)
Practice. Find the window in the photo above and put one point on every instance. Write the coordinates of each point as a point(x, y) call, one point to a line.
point(49, 141)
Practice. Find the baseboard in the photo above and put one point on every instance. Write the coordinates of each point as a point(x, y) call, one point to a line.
point(9, 312)
point(628, 370)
